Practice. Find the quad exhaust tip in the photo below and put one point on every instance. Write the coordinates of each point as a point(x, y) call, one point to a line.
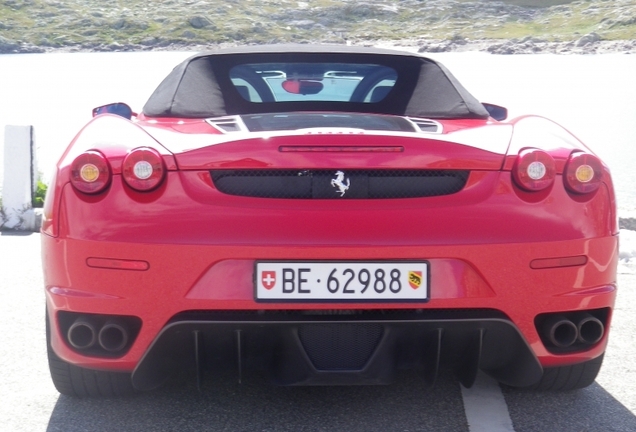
point(113, 337)
point(85, 333)
point(563, 332)
point(590, 329)
point(82, 334)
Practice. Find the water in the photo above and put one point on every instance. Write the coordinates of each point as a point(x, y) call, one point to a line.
point(592, 96)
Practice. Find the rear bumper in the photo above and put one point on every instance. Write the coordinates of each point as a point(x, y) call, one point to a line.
point(302, 349)
point(201, 278)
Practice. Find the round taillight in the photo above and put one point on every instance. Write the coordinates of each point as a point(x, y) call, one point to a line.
point(534, 170)
point(583, 173)
point(90, 172)
point(143, 169)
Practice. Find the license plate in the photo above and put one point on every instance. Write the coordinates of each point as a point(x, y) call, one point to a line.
point(341, 281)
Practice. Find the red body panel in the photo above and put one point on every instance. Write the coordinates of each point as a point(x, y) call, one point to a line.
point(200, 244)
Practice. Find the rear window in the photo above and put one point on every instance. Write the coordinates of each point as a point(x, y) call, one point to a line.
point(301, 82)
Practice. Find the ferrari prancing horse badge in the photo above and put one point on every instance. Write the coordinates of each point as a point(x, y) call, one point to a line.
point(339, 182)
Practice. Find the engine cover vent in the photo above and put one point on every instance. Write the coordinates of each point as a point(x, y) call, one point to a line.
point(227, 124)
point(426, 125)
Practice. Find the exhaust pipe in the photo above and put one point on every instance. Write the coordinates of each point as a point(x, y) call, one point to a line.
point(113, 337)
point(82, 334)
point(561, 332)
point(590, 329)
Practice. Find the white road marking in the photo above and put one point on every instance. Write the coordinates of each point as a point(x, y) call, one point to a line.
point(485, 406)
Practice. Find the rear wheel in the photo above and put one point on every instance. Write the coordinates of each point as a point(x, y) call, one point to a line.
point(79, 382)
point(570, 377)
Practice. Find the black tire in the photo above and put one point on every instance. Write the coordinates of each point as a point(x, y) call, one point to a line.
point(79, 382)
point(570, 377)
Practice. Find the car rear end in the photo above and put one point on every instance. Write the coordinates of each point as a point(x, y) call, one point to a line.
point(325, 217)
point(247, 252)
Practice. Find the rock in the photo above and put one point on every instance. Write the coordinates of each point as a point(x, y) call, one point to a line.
point(627, 223)
point(302, 24)
point(162, 43)
point(122, 23)
point(26, 48)
point(89, 45)
point(8, 46)
point(531, 39)
point(506, 48)
point(436, 47)
point(119, 24)
point(355, 11)
point(588, 39)
point(149, 41)
point(199, 22)
point(259, 28)
point(459, 40)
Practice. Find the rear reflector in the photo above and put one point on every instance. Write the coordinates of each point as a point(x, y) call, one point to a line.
point(571, 261)
point(342, 149)
point(110, 263)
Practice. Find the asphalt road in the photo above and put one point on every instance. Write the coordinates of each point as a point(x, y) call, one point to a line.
point(29, 402)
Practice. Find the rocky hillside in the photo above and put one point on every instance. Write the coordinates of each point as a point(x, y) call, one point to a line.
point(42, 25)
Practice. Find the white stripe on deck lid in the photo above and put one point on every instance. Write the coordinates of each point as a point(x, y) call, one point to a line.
point(485, 406)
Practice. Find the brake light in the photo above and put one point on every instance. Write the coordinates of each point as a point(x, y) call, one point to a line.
point(143, 169)
point(90, 172)
point(534, 170)
point(583, 173)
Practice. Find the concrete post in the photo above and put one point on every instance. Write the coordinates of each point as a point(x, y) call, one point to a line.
point(20, 178)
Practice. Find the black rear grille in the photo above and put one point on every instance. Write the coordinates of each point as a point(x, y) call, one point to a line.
point(340, 346)
point(330, 184)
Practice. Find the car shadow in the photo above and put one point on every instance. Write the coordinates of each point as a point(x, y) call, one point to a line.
point(257, 405)
point(407, 405)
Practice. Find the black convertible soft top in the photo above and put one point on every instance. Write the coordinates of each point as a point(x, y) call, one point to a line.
point(201, 86)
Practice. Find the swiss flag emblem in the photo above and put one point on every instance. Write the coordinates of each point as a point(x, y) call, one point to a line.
point(268, 279)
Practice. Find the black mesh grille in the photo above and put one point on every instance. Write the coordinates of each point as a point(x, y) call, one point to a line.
point(330, 184)
point(340, 346)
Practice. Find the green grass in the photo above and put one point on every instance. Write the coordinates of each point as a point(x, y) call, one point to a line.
point(39, 195)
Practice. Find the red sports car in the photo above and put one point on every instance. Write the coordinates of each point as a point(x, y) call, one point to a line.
point(326, 215)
